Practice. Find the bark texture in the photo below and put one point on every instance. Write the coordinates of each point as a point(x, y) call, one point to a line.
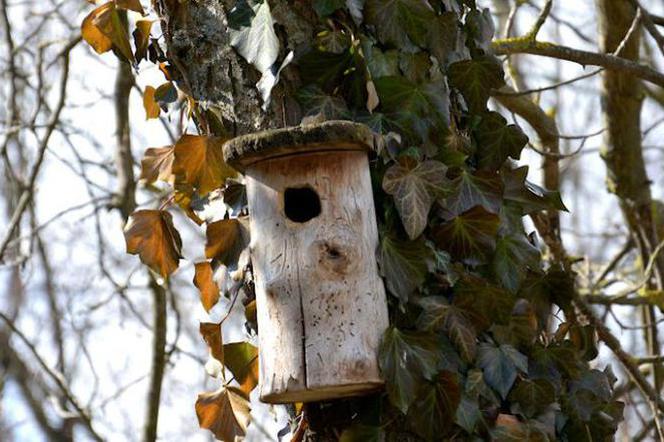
point(198, 41)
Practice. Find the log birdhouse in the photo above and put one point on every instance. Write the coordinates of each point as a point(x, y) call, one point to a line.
point(320, 301)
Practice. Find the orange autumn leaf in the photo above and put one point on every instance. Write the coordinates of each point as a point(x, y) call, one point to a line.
point(211, 333)
point(157, 164)
point(200, 161)
point(142, 38)
point(92, 34)
point(152, 109)
point(225, 412)
point(133, 5)
point(150, 234)
point(203, 280)
point(225, 240)
point(103, 29)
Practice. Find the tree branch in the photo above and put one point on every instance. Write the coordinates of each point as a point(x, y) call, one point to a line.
point(522, 45)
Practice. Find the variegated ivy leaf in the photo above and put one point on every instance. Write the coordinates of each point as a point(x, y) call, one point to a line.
point(415, 187)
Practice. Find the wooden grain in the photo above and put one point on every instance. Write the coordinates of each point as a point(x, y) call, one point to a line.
point(320, 303)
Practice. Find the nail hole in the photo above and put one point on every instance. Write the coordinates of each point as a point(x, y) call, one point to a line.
point(301, 204)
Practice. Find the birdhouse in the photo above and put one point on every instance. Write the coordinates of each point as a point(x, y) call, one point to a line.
point(320, 301)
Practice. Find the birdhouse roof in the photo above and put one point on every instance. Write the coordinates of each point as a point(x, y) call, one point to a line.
point(242, 151)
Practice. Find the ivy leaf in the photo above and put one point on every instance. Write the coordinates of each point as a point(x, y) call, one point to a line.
point(380, 63)
point(157, 164)
point(211, 333)
point(225, 412)
point(132, 5)
point(484, 303)
point(356, 7)
point(166, 94)
point(415, 109)
point(479, 189)
point(142, 38)
point(533, 396)
point(152, 109)
point(439, 315)
point(403, 265)
point(257, 43)
point(406, 360)
point(510, 429)
point(400, 22)
point(327, 7)
point(362, 433)
point(470, 235)
point(150, 234)
point(225, 240)
point(529, 196)
point(433, 412)
point(442, 37)
point(270, 78)
point(498, 140)
point(315, 101)
point(475, 79)
point(200, 161)
point(415, 66)
point(204, 282)
point(104, 30)
point(241, 15)
point(500, 366)
point(414, 187)
point(339, 74)
point(241, 358)
point(513, 257)
point(468, 414)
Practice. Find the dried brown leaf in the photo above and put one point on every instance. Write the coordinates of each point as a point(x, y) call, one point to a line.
point(150, 234)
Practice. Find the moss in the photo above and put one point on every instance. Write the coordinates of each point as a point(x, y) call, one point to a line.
point(330, 135)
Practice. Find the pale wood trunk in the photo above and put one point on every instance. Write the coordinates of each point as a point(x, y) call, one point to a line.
point(320, 300)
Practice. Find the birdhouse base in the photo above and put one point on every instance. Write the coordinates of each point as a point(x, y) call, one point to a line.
point(324, 393)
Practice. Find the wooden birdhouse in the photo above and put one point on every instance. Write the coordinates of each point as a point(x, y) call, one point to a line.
point(320, 301)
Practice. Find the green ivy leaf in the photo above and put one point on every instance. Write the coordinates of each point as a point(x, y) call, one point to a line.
point(316, 102)
point(470, 235)
point(241, 15)
point(468, 414)
point(475, 79)
point(497, 140)
point(500, 366)
point(485, 304)
point(326, 7)
point(361, 433)
point(414, 187)
point(533, 396)
point(407, 360)
point(380, 63)
point(415, 66)
point(433, 412)
point(479, 189)
point(439, 315)
point(529, 196)
point(400, 22)
point(513, 257)
point(404, 265)
point(443, 37)
point(416, 109)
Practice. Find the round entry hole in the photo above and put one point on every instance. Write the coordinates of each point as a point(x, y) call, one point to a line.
point(301, 204)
